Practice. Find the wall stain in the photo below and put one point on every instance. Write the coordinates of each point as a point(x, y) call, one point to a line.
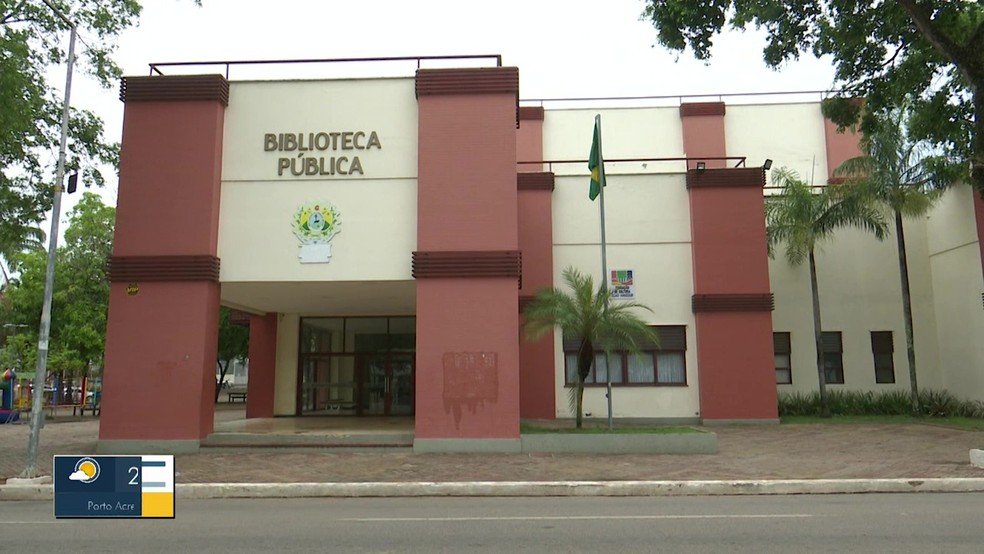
point(470, 379)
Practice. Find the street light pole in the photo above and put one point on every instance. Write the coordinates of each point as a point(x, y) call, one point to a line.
point(37, 401)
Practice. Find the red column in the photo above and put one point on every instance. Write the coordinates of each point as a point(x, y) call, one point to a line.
point(262, 365)
point(162, 331)
point(732, 303)
point(467, 263)
point(840, 147)
point(703, 133)
point(529, 139)
point(536, 359)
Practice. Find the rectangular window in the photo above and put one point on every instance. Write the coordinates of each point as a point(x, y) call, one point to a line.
point(641, 368)
point(833, 357)
point(652, 365)
point(781, 349)
point(671, 368)
point(883, 348)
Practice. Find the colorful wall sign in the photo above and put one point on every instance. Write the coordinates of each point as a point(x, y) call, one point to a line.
point(623, 285)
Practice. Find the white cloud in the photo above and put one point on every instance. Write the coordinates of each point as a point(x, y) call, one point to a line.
point(79, 476)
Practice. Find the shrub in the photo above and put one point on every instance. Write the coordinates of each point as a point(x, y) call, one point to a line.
point(943, 404)
point(893, 402)
point(934, 403)
point(799, 404)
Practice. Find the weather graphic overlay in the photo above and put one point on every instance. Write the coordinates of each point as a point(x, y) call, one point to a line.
point(86, 470)
point(114, 486)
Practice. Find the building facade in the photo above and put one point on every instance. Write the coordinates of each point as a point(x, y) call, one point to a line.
point(385, 234)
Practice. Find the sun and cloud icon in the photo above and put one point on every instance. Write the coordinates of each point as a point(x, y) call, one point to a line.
point(86, 471)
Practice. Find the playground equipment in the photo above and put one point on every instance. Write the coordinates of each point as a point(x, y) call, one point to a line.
point(16, 392)
point(8, 388)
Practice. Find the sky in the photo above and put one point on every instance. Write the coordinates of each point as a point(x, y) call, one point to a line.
point(563, 48)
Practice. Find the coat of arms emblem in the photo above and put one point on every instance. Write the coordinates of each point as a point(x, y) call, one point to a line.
point(315, 224)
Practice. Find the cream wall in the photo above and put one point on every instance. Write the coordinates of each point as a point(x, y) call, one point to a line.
point(378, 230)
point(377, 210)
point(791, 135)
point(958, 282)
point(626, 133)
point(285, 378)
point(860, 292)
point(648, 221)
point(386, 106)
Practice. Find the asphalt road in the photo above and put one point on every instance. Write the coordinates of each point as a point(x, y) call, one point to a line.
point(836, 523)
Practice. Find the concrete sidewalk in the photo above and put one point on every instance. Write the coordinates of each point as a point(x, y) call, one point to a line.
point(751, 454)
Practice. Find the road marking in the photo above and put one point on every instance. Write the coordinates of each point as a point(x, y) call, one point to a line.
point(561, 518)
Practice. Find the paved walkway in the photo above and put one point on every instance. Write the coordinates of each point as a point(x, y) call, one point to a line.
point(826, 451)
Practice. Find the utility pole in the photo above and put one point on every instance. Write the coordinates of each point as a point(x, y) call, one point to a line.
point(37, 400)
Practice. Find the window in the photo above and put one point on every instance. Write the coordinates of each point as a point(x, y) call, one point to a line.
point(652, 365)
point(833, 357)
point(882, 348)
point(781, 349)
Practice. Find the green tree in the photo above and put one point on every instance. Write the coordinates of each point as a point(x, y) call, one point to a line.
point(80, 298)
point(33, 40)
point(233, 345)
point(927, 52)
point(590, 316)
point(17, 232)
point(802, 219)
point(907, 178)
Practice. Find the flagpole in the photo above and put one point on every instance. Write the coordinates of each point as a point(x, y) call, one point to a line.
point(604, 258)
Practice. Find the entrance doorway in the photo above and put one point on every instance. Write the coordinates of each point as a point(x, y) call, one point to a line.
point(387, 384)
point(361, 366)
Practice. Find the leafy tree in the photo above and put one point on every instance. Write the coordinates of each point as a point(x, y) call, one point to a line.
point(233, 345)
point(927, 52)
point(80, 297)
point(906, 178)
point(32, 41)
point(11, 351)
point(589, 315)
point(802, 219)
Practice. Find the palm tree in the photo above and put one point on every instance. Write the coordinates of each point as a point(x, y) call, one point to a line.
point(19, 240)
point(902, 176)
point(590, 316)
point(803, 218)
point(18, 226)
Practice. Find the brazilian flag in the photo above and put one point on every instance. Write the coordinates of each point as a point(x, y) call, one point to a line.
point(595, 164)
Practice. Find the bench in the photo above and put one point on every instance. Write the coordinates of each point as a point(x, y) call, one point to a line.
point(237, 396)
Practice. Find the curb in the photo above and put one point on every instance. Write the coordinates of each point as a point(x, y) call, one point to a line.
point(200, 491)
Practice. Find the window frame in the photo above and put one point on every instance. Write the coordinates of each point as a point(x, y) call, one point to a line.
point(826, 341)
point(883, 343)
point(776, 344)
point(623, 356)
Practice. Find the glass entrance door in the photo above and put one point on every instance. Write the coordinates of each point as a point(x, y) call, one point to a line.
point(356, 366)
point(387, 384)
point(327, 385)
point(374, 384)
point(401, 384)
point(315, 385)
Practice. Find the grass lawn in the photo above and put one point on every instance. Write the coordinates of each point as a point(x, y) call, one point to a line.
point(965, 423)
point(526, 428)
